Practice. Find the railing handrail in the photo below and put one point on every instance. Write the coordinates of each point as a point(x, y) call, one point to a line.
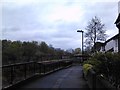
point(18, 64)
point(51, 61)
point(29, 69)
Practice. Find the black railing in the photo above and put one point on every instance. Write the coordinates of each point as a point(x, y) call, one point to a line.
point(15, 73)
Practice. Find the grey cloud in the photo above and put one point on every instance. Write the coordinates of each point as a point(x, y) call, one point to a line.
point(25, 16)
point(65, 43)
point(23, 23)
point(106, 11)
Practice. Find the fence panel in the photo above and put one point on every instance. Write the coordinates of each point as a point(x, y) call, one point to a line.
point(12, 74)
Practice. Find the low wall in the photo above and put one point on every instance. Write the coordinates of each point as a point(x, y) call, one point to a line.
point(97, 82)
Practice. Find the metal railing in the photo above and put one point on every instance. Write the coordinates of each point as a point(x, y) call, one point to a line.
point(15, 73)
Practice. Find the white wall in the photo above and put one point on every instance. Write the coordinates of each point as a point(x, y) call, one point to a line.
point(102, 49)
point(112, 44)
point(118, 7)
point(116, 45)
point(109, 45)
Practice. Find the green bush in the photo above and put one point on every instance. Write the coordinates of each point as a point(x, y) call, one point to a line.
point(94, 62)
point(107, 64)
point(86, 68)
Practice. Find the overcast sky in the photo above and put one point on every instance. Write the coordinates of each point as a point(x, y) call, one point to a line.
point(55, 21)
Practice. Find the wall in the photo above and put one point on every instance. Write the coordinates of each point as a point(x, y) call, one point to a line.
point(109, 45)
point(118, 7)
point(112, 44)
point(119, 25)
point(97, 82)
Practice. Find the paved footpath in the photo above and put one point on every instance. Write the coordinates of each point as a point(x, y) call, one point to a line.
point(66, 78)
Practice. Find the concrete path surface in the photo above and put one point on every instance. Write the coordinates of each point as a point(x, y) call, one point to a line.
point(66, 78)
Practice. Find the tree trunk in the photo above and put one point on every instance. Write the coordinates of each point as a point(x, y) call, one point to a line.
point(95, 40)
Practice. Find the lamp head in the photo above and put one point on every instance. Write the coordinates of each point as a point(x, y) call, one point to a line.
point(79, 31)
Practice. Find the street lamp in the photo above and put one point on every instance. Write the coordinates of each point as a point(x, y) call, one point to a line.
point(82, 41)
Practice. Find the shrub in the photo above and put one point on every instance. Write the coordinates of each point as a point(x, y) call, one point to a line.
point(86, 68)
point(94, 62)
point(107, 64)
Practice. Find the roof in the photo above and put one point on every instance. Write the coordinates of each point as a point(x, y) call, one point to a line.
point(100, 43)
point(114, 37)
point(118, 19)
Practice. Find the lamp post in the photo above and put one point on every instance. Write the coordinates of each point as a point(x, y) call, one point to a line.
point(82, 41)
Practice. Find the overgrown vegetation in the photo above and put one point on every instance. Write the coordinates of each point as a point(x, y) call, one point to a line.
point(108, 65)
point(86, 68)
point(17, 52)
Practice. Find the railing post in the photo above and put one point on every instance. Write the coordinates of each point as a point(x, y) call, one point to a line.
point(12, 76)
point(39, 66)
point(58, 65)
point(44, 68)
point(48, 67)
point(25, 71)
point(52, 66)
point(34, 67)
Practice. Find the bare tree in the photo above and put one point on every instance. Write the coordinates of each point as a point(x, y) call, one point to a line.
point(95, 31)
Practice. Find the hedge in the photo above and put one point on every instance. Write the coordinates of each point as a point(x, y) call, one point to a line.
point(107, 64)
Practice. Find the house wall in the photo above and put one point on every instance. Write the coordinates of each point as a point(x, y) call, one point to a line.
point(102, 49)
point(119, 27)
point(118, 7)
point(112, 44)
point(119, 41)
point(116, 45)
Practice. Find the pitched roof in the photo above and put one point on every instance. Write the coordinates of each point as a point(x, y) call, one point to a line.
point(102, 44)
point(114, 37)
point(118, 19)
